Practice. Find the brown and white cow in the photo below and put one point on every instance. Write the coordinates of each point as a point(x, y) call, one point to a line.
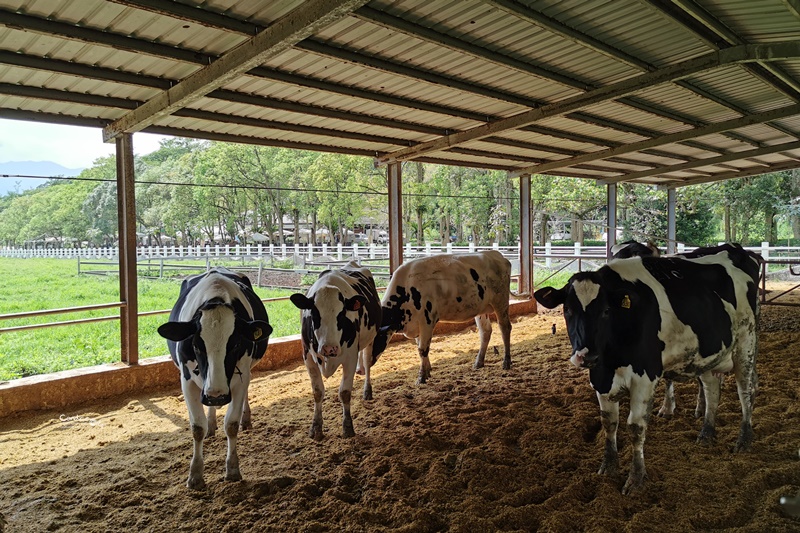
point(340, 317)
point(217, 330)
point(447, 288)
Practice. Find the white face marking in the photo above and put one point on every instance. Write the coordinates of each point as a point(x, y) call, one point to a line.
point(216, 327)
point(586, 291)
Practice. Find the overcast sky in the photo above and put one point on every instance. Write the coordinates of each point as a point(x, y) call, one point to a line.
point(70, 146)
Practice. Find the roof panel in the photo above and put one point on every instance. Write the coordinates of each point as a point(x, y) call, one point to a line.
point(454, 80)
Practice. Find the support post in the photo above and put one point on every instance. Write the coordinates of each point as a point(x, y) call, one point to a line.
point(395, 182)
point(525, 286)
point(126, 216)
point(611, 204)
point(671, 232)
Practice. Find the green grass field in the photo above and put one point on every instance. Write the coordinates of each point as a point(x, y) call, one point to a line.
point(39, 284)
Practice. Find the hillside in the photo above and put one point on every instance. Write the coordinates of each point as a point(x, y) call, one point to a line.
point(30, 168)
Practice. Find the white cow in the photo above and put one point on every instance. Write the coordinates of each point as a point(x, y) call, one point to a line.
point(447, 288)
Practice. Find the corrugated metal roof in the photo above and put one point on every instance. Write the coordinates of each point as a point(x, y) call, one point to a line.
point(608, 90)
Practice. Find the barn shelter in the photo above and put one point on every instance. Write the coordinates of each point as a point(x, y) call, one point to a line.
point(661, 92)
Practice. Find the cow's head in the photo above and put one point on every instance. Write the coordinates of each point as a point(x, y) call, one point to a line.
point(219, 338)
point(331, 321)
point(604, 316)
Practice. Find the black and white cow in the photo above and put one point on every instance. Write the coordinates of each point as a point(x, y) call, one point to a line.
point(340, 317)
point(217, 330)
point(627, 249)
point(447, 288)
point(635, 320)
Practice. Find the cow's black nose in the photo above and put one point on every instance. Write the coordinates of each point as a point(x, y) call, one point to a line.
point(215, 401)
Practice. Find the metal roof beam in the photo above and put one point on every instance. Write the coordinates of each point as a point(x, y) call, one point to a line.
point(718, 127)
point(789, 165)
point(287, 31)
point(735, 55)
point(711, 161)
point(100, 37)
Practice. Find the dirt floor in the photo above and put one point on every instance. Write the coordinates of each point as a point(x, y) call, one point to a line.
point(471, 451)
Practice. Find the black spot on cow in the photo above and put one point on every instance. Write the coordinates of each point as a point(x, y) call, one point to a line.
point(481, 291)
point(427, 316)
point(458, 299)
point(474, 274)
point(429, 305)
point(417, 297)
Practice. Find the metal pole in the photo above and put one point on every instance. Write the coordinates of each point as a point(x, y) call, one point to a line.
point(395, 179)
point(611, 203)
point(525, 287)
point(126, 215)
point(671, 199)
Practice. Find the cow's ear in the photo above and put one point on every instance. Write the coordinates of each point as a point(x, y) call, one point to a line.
point(550, 297)
point(257, 330)
point(301, 301)
point(355, 303)
point(177, 331)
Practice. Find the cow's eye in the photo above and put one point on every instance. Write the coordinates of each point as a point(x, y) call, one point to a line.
point(606, 312)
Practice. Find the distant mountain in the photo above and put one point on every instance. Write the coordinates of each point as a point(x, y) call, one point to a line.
point(30, 168)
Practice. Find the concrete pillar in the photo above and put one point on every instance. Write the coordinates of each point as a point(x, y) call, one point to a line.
point(525, 286)
point(126, 217)
point(395, 175)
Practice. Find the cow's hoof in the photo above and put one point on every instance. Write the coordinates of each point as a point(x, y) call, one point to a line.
point(246, 425)
point(348, 431)
point(609, 467)
point(634, 483)
point(233, 475)
point(744, 441)
point(211, 432)
point(661, 413)
point(507, 364)
point(477, 365)
point(368, 394)
point(315, 432)
point(707, 436)
point(196, 483)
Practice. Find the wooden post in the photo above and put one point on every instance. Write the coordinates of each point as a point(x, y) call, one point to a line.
point(126, 216)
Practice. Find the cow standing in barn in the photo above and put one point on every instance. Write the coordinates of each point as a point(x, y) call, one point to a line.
point(217, 330)
point(447, 288)
point(635, 320)
point(340, 317)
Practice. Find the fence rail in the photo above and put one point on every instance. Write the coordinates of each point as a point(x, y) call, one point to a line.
point(341, 252)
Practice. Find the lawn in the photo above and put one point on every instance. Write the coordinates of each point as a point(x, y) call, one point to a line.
point(38, 284)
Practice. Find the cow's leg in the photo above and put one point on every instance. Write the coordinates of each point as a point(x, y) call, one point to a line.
point(247, 416)
point(642, 391)
point(318, 390)
point(233, 417)
point(504, 321)
point(346, 393)
point(700, 408)
point(365, 358)
point(711, 383)
point(199, 425)
point(746, 384)
point(485, 335)
point(668, 407)
point(424, 347)
point(212, 421)
point(609, 416)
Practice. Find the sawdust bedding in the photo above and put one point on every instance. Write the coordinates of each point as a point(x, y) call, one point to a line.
point(471, 451)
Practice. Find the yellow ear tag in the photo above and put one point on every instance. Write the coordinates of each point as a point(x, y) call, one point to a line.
point(626, 302)
point(257, 332)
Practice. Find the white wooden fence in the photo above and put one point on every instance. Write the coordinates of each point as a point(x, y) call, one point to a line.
point(339, 252)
